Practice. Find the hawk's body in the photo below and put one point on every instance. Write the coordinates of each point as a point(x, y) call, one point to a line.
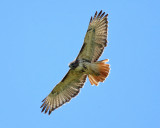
point(85, 64)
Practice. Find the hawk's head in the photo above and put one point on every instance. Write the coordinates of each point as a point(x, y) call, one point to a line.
point(74, 64)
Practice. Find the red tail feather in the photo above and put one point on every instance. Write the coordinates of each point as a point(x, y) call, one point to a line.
point(102, 73)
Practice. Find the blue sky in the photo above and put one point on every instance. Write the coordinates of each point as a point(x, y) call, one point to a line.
point(39, 38)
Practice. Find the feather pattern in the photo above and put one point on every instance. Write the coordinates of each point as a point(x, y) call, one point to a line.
point(69, 87)
point(95, 38)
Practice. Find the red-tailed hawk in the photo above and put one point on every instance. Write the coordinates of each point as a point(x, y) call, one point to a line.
point(84, 65)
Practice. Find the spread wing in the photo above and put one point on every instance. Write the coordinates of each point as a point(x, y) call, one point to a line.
point(63, 92)
point(95, 39)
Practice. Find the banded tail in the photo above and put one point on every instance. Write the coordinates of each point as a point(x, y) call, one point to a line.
point(100, 71)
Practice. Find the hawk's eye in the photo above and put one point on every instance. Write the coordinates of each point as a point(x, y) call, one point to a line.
point(74, 64)
point(71, 65)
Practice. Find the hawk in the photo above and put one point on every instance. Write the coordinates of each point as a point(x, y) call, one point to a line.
point(84, 65)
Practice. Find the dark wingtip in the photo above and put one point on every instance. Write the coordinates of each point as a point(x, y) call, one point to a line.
point(43, 108)
point(102, 15)
point(95, 14)
point(46, 109)
point(99, 13)
point(49, 112)
point(106, 15)
point(42, 105)
point(43, 99)
point(90, 20)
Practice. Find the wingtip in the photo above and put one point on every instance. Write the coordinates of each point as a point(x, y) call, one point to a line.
point(95, 14)
point(99, 13)
point(43, 108)
point(102, 15)
point(49, 112)
point(43, 100)
point(45, 111)
point(90, 20)
point(106, 15)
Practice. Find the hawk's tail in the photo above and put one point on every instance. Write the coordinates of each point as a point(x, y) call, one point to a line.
point(100, 71)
